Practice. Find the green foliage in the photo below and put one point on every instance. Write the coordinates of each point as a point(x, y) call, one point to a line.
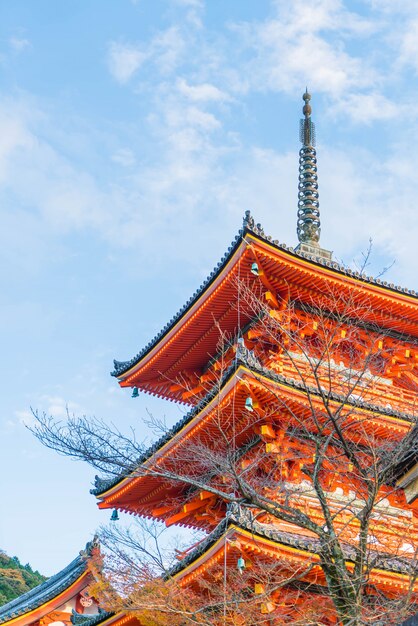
point(15, 578)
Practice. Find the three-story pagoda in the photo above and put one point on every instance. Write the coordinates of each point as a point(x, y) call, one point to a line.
point(301, 378)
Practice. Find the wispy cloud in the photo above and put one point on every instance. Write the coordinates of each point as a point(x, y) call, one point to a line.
point(124, 60)
point(163, 52)
point(24, 417)
point(183, 154)
point(124, 157)
point(167, 49)
point(365, 108)
point(205, 92)
point(53, 406)
point(302, 44)
point(18, 44)
point(194, 10)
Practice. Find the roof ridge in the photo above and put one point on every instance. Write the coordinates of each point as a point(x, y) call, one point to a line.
point(244, 519)
point(250, 226)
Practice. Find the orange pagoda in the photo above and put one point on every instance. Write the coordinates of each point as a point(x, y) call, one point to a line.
point(297, 455)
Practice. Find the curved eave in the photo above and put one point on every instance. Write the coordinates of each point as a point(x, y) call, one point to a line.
point(124, 370)
point(45, 606)
point(108, 497)
point(179, 430)
point(199, 557)
point(383, 297)
point(291, 548)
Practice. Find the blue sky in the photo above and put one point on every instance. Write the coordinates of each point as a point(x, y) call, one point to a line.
point(133, 137)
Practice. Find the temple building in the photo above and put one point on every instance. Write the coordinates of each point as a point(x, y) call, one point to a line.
point(296, 371)
point(63, 600)
point(58, 600)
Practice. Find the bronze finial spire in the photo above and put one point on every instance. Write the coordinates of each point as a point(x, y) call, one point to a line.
point(309, 224)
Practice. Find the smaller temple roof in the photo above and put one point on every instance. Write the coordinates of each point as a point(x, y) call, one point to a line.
point(48, 590)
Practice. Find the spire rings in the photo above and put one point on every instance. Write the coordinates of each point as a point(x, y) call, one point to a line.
point(308, 223)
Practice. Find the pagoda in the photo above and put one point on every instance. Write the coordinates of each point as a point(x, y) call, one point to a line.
point(301, 380)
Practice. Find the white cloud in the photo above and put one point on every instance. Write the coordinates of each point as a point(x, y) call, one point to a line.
point(399, 27)
point(312, 45)
point(57, 196)
point(367, 107)
point(206, 121)
point(407, 42)
point(25, 417)
point(53, 406)
point(167, 49)
point(205, 92)
point(57, 407)
point(189, 173)
point(290, 56)
point(393, 8)
point(15, 136)
point(194, 10)
point(124, 60)
point(319, 16)
point(164, 51)
point(189, 122)
point(201, 179)
point(124, 157)
point(18, 44)
point(195, 4)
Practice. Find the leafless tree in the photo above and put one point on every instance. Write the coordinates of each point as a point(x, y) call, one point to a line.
point(309, 444)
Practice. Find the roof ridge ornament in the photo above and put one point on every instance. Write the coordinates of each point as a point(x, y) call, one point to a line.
point(309, 222)
point(249, 223)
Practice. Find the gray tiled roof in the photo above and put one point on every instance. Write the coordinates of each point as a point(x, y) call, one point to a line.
point(47, 590)
point(249, 226)
point(90, 620)
point(102, 485)
point(410, 457)
point(243, 518)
